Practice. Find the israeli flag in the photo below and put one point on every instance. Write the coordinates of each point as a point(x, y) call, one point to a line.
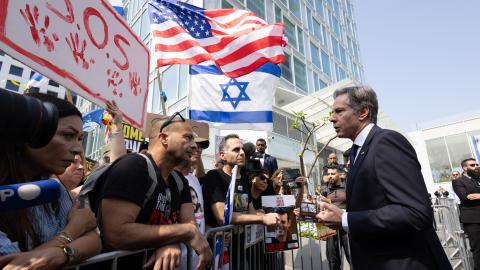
point(92, 120)
point(118, 6)
point(233, 103)
point(227, 219)
point(37, 80)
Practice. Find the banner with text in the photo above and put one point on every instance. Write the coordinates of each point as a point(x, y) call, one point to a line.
point(83, 45)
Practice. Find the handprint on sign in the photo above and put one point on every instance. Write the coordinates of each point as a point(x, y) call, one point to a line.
point(134, 83)
point(78, 49)
point(36, 30)
point(114, 80)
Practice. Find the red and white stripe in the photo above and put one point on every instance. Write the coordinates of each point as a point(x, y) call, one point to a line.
point(241, 42)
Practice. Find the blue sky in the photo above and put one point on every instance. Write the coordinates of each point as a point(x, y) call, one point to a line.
point(421, 57)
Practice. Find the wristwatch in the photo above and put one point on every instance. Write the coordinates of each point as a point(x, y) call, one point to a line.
point(69, 251)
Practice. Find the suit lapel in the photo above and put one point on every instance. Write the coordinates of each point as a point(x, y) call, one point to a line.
point(353, 170)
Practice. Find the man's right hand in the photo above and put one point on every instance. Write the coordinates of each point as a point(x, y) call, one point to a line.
point(201, 247)
point(270, 219)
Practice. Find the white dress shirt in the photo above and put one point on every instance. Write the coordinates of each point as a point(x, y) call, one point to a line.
point(359, 140)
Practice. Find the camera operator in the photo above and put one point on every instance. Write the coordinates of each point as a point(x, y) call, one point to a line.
point(335, 192)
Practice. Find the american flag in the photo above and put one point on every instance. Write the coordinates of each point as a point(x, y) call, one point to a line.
point(237, 41)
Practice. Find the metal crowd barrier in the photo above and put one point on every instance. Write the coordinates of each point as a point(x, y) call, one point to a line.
point(451, 234)
point(310, 255)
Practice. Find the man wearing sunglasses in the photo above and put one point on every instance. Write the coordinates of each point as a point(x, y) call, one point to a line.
point(467, 188)
point(166, 219)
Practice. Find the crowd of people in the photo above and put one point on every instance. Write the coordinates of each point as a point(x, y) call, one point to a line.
point(163, 198)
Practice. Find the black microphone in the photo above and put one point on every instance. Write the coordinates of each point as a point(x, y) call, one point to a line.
point(17, 196)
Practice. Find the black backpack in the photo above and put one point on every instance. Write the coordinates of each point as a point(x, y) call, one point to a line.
point(95, 182)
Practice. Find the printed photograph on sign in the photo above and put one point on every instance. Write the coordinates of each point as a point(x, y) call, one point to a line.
point(283, 235)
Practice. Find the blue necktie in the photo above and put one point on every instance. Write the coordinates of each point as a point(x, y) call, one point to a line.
point(353, 154)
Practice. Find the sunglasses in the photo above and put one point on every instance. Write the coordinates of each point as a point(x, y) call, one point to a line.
point(263, 177)
point(171, 120)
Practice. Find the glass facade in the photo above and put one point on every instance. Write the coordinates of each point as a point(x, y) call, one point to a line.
point(446, 153)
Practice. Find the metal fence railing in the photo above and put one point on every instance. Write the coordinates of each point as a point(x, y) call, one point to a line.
point(310, 255)
point(451, 234)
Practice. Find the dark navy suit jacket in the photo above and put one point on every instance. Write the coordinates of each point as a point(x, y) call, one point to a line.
point(390, 218)
point(270, 163)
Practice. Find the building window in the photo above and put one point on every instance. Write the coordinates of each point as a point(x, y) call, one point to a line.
point(325, 37)
point(286, 68)
point(343, 56)
point(53, 83)
point(326, 64)
point(340, 73)
point(438, 158)
point(257, 6)
point(335, 49)
point(315, 82)
point(1, 64)
point(316, 29)
point(136, 27)
point(226, 4)
point(170, 83)
point(278, 14)
point(17, 71)
point(458, 149)
point(294, 6)
point(145, 28)
point(319, 7)
point(290, 32)
point(300, 74)
point(314, 51)
point(300, 40)
point(12, 86)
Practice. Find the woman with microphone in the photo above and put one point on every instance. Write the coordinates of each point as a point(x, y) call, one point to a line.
point(51, 235)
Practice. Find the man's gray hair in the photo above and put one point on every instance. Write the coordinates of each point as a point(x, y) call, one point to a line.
point(360, 97)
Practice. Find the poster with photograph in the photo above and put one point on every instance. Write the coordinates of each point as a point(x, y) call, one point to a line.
point(283, 235)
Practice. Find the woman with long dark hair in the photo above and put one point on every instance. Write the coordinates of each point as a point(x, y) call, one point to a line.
point(52, 235)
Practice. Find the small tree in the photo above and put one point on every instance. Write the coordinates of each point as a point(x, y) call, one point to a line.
point(300, 124)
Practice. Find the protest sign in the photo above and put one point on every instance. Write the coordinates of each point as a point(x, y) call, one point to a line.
point(283, 235)
point(83, 45)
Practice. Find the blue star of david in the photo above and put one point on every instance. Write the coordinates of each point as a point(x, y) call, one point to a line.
point(242, 96)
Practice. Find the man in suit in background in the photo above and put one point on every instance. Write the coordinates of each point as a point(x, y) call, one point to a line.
point(268, 162)
point(388, 217)
point(467, 188)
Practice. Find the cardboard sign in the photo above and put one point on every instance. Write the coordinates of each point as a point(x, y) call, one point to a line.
point(83, 45)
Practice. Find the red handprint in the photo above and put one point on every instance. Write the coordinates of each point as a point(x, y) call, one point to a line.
point(134, 83)
point(36, 30)
point(114, 81)
point(78, 49)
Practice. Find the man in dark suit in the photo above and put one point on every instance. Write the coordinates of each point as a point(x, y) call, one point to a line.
point(388, 217)
point(268, 162)
point(467, 188)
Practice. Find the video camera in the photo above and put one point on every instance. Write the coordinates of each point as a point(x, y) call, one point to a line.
point(34, 122)
point(289, 176)
point(252, 162)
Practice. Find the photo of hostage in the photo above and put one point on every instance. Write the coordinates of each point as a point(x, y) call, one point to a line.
point(283, 225)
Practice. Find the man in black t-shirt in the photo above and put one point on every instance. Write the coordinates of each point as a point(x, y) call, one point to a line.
point(167, 218)
point(215, 186)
